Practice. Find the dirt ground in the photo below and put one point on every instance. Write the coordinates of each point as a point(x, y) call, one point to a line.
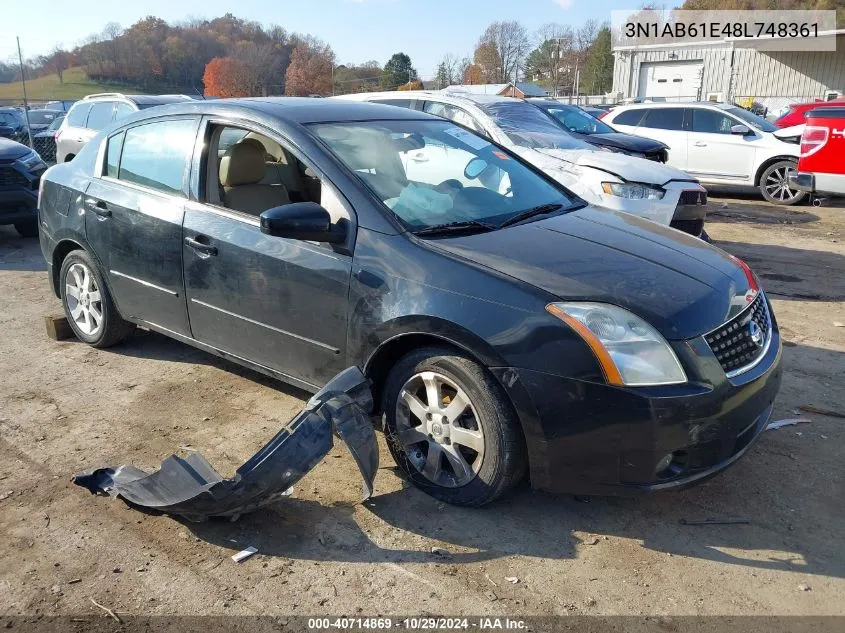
point(65, 407)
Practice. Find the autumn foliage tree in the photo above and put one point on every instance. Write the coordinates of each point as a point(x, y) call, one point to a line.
point(310, 68)
point(416, 84)
point(223, 77)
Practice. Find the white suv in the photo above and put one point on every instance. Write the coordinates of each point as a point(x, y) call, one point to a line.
point(637, 186)
point(719, 144)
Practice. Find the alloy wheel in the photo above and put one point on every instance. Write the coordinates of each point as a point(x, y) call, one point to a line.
point(777, 185)
point(83, 299)
point(439, 429)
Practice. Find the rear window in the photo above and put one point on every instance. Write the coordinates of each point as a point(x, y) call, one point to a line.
point(630, 117)
point(78, 115)
point(399, 103)
point(664, 119)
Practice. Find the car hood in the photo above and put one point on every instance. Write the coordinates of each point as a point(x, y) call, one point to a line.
point(681, 285)
point(10, 150)
point(625, 141)
point(628, 168)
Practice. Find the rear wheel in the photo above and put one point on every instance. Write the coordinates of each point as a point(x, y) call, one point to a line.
point(88, 305)
point(27, 228)
point(451, 428)
point(774, 184)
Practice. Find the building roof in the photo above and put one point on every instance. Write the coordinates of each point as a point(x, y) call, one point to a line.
point(766, 44)
point(528, 89)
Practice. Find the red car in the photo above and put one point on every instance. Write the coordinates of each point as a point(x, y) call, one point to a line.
point(821, 166)
point(798, 111)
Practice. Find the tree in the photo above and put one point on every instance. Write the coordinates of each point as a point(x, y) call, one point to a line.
point(473, 74)
point(350, 78)
point(598, 72)
point(397, 71)
point(57, 61)
point(416, 84)
point(310, 69)
point(222, 78)
point(501, 51)
point(552, 55)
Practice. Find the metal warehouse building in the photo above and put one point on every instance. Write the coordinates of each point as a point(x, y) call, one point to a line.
point(728, 70)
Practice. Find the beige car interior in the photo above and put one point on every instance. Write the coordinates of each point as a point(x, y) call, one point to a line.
point(256, 173)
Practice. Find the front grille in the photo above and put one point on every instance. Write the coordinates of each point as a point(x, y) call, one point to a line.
point(11, 177)
point(738, 344)
point(693, 197)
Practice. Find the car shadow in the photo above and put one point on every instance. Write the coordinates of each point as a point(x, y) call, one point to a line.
point(786, 488)
point(793, 273)
point(20, 253)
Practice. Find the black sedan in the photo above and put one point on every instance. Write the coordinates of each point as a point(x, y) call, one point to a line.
point(20, 173)
point(40, 120)
point(587, 127)
point(13, 125)
point(505, 329)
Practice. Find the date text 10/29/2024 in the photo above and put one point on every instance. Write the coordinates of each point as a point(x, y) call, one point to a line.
point(714, 30)
point(417, 624)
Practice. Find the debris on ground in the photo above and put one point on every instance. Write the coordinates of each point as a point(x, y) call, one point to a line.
point(593, 541)
point(788, 422)
point(191, 488)
point(439, 551)
point(804, 588)
point(808, 408)
point(512, 580)
point(838, 324)
point(244, 554)
point(727, 521)
point(111, 613)
point(492, 582)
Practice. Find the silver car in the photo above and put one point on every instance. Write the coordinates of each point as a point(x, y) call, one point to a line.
point(93, 113)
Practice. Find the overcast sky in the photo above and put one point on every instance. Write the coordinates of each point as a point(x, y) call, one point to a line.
point(358, 30)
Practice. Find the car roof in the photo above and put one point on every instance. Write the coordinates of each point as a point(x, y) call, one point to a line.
point(295, 109)
point(678, 104)
point(434, 95)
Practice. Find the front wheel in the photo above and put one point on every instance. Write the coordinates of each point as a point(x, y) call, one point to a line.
point(775, 187)
point(88, 305)
point(451, 428)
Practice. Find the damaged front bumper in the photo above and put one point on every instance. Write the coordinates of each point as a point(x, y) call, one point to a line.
point(191, 488)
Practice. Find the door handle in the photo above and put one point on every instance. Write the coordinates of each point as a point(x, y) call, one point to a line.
point(700, 144)
point(98, 206)
point(419, 159)
point(201, 247)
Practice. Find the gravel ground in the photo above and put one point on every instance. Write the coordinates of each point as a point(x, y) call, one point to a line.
point(65, 407)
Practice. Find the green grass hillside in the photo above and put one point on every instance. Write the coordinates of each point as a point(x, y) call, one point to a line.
point(75, 86)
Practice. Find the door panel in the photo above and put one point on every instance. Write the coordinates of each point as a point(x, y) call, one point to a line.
point(668, 125)
point(137, 236)
point(716, 153)
point(277, 302)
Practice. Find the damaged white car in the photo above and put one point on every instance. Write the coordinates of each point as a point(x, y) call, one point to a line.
point(637, 186)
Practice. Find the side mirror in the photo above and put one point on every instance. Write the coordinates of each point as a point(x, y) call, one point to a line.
point(301, 221)
point(742, 130)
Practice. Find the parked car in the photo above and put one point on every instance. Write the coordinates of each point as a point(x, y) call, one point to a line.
point(502, 330)
point(634, 185)
point(40, 120)
point(581, 124)
point(20, 173)
point(796, 113)
point(13, 125)
point(720, 144)
point(63, 105)
point(45, 142)
point(95, 112)
point(821, 168)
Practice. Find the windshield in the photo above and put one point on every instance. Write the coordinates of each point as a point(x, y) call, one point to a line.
point(9, 118)
point(576, 120)
point(430, 173)
point(526, 126)
point(57, 122)
point(39, 117)
point(752, 119)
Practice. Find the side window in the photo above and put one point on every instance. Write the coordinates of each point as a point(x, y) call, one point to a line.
point(100, 115)
point(250, 172)
point(78, 115)
point(665, 119)
point(122, 110)
point(711, 122)
point(113, 154)
point(400, 103)
point(630, 117)
point(459, 115)
point(156, 155)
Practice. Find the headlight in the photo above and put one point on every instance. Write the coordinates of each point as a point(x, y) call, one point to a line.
point(31, 160)
point(629, 350)
point(632, 190)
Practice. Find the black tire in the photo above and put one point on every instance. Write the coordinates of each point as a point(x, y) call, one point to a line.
point(27, 228)
point(112, 329)
point(777, 175)
point(504, 459)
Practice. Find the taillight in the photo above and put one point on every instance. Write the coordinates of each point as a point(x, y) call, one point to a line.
point(813, 139)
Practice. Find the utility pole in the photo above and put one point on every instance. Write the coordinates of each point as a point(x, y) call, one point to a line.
point(25, 102)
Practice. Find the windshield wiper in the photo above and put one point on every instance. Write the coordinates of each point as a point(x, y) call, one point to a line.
point(542, 209)
point(466, 226)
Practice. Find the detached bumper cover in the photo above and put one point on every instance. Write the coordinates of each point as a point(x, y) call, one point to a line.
point(191, 488)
